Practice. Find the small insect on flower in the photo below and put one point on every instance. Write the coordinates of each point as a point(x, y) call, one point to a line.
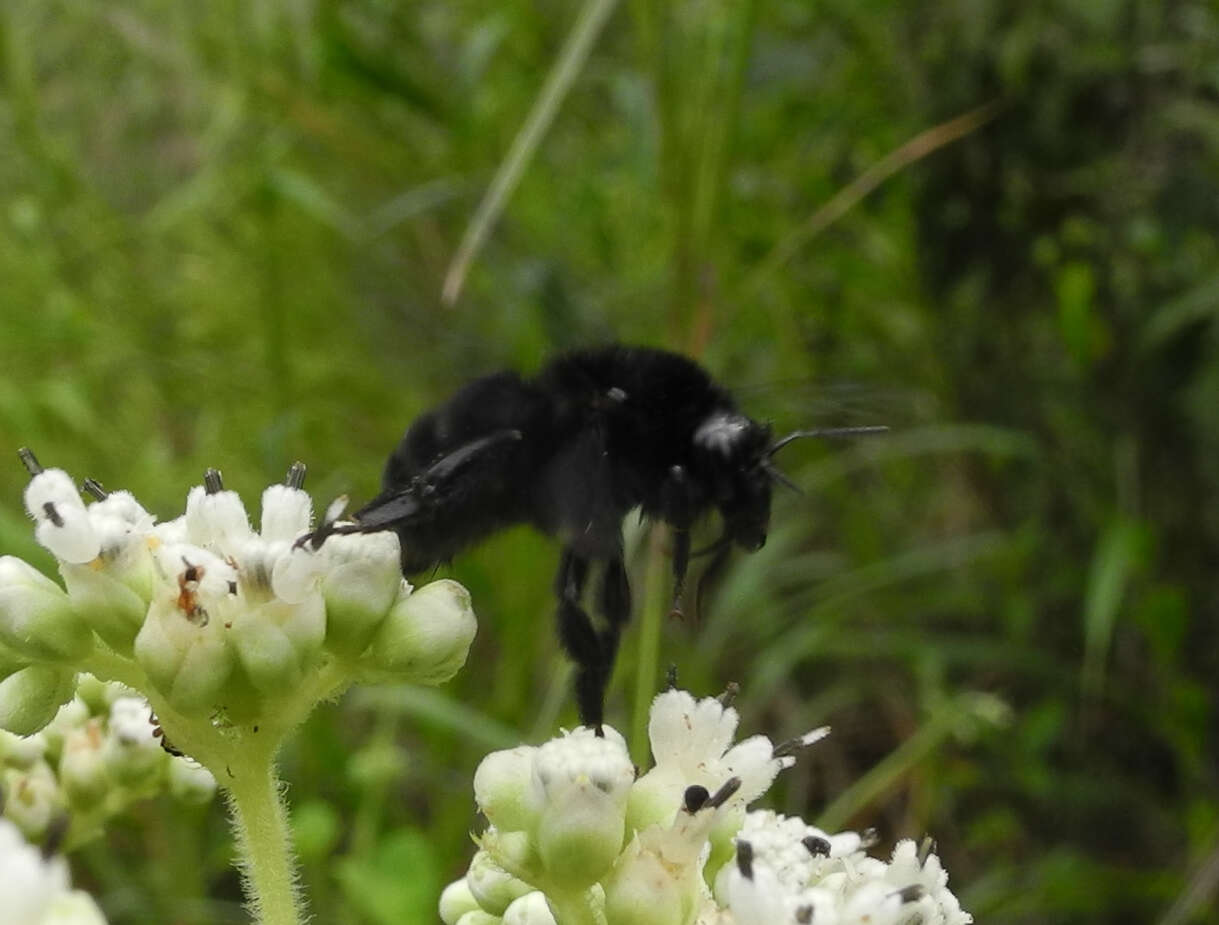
point(595, 434)
point(159, 734)
point(188, 589)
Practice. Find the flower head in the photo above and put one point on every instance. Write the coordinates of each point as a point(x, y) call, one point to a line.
point(220, 618)
point(692, 743)
point(560, 840)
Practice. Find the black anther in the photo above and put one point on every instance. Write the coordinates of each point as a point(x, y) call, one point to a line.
point(721, 796)
point(296, 475)
point(29, 460)
point(816, 845)
point(728, 697)
point(93, 488)
point(52, 514)
point(926, 848)
point(212, 481)
point(695, 798)
point(744, 859)
point(911, 894)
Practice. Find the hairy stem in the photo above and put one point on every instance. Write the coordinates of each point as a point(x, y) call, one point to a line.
point(263, 843)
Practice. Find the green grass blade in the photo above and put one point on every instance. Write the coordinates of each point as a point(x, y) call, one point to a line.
point(571, 59)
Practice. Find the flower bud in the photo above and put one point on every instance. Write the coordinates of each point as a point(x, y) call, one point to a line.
point(582, 782)
point(110, 607)
point(503, 788)
point(190, 782)
point(276, 642)
point(478, 917)
point(492, 886)
point(21, 751)
point(361, 583)
point(643, 890)
point(530, 909)
point(186, 657)
point(36, 617)
point(294, 572)
point(131, 752)
point(97, 695)
point(72, 715)
point(30, 698)
point(456, 901)
point(515, 852)
point(62, 524)
point(427, 634)
point(124, 530)
point(82, 770)
point(32, 798)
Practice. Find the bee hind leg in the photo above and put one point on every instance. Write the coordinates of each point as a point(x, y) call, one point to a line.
point(580, 639)
point(678, 505)
point(615, 606)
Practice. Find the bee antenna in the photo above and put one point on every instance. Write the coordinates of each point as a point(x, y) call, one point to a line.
point(825, 432)
point(781, 478)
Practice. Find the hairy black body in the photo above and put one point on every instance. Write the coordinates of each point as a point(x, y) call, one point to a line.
point(595, 434)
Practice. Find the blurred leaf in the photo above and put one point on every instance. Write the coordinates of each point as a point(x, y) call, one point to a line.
point(400, 883)
point(316, 828)
point(1198, 304)
point(1118, 555)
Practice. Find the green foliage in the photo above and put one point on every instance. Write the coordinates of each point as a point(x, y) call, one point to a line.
point(224, 230)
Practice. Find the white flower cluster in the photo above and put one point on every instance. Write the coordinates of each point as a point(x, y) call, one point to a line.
point(95, 758)
point(36, 890)
point(788, 871)
point(576, 837)
point(218, 618)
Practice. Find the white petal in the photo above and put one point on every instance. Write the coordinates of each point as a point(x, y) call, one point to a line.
point(286, 512)
point(754, 763)
point(63, 524)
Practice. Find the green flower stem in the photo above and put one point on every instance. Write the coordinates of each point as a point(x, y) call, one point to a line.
point(263, 841)
point(242, 759)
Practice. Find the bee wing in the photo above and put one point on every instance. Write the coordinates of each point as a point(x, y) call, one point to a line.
point(387, 510)
point(453, 464)
point(401, 504)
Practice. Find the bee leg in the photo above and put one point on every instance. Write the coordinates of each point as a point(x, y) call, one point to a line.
point(677, 510)
point(615, 606)
point(579, 639)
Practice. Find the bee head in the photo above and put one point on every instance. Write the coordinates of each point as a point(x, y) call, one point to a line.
point(734, 451)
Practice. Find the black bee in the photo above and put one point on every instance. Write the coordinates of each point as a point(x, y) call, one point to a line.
point(595, 434)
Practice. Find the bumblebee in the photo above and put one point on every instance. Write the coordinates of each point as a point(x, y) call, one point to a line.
point(595, 434)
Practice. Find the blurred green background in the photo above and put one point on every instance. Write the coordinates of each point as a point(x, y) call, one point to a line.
point(224, 232)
